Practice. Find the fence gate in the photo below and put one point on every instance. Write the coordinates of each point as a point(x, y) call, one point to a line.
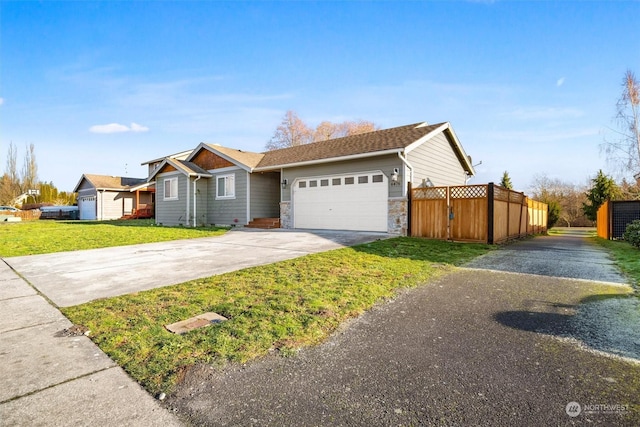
point(450, 213)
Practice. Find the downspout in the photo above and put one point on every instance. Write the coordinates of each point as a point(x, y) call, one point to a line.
point(248, 201)
point(101, 205)
point(194, 199)
point(408, 165)
point(188, 203)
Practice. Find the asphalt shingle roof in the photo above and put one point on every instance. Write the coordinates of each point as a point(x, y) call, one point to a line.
point(370, 142)
point(113, 182)
point(247, 158)
point(189, 167)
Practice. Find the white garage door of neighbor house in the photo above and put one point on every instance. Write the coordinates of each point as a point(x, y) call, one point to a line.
point(87, 207)
point(342, 202)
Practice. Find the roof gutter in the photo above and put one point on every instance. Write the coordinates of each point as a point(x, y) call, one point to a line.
point(329, 160)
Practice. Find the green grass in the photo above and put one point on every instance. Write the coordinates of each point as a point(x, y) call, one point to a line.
point(279, 307)
point(42, 237)
point(625, 256)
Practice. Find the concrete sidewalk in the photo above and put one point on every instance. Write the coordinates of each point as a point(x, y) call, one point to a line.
point(51, 379)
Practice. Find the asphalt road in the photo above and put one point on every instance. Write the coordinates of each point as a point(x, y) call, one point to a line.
point(477, 347)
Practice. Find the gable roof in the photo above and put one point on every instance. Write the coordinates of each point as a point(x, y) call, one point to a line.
point(183, 166)
point(385, 141)
point(108, 182)
point(180, 156)
point(247, 160)
point(400, 139)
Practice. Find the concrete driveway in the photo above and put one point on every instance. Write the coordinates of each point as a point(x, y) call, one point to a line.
point(72, 278)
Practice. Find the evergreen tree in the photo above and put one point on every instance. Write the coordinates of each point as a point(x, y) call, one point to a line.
point(604, 188)
point(506, 181)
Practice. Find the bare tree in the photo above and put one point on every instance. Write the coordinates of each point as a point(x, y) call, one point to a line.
point(328, 130)
point(10, 183)
point(359, 126)
point(291, 132)
point(625, 149)
point(29, 170)
point(568, 197)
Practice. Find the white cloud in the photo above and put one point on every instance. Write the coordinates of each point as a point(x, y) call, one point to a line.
point(138, 128)
point(118, 128)
point(1, 101)
point(560, 82)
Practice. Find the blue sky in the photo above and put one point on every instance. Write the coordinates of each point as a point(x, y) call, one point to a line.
point(100, 87)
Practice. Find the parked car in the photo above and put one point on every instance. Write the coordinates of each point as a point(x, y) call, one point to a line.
point(9, 208)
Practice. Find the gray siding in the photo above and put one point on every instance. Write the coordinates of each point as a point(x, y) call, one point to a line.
point(86, 186)
point(384, 163)
point(265, 195)
point(228, 211)
point(202, 193)
point(171, 212)
point(437, 161)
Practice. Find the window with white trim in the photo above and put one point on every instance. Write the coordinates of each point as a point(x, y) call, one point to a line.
point(171, 188)
point(226, 186)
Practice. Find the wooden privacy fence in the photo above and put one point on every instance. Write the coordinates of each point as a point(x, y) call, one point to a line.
point(475, 213)
point(614, 216)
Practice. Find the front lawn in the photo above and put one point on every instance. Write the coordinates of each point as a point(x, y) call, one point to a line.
point(275, 308)
point(626, 257)
point(46, 236)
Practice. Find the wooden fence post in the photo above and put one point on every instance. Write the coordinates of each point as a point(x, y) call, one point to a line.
point(490, 201)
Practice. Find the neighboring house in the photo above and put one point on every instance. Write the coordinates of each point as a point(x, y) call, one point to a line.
point(104, 197)
point(353, 183)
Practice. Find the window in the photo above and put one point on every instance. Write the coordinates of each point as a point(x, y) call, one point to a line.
point(171, 188)
point(313, 183)
point(363, 179)
point(348, 180)
point(376, 178)
point(226, 186)
point(336, 181)
point(302, 184)
point(324, 183)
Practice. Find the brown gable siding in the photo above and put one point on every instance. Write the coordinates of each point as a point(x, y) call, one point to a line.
point(208, 160)
point(168, 168)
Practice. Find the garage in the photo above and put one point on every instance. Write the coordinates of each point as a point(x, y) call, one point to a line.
point(356, 201)
point(87, 207)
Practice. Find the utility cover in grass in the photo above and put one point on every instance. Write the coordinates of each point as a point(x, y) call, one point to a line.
point(199, 321)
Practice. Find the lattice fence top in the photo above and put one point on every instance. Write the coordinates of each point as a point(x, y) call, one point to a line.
point(468, 192)
point(500, 193)
point(428, 193)
point(515, 197)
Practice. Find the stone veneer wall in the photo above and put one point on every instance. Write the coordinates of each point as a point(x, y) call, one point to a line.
point(285, 215)
point(397, 217)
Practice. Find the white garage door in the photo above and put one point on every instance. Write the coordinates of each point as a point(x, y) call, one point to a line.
point(87, 207)
point(342, 202)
